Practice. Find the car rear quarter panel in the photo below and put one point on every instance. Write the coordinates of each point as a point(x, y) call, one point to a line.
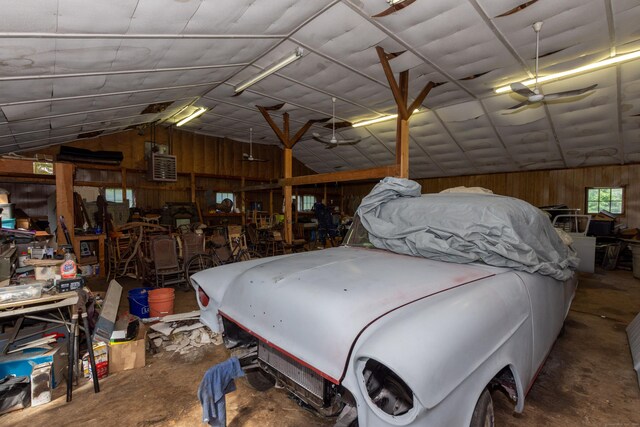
point(448, 347)
point(550, 303)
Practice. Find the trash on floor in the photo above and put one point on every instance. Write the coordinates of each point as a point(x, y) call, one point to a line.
point(182, 336)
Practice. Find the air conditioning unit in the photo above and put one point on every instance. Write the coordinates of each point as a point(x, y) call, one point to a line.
point(162, 167)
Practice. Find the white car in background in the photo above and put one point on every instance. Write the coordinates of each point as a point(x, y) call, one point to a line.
point(377, 338)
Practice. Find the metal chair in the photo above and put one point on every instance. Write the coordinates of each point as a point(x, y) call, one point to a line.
point(166, 265)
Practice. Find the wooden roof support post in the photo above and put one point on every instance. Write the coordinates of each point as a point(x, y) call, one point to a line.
point(193, 187)
point(288, 142)
point(123, 182)
point(64, 199)
point(400, 91)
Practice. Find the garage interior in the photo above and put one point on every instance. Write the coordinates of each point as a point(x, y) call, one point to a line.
point(253, 129)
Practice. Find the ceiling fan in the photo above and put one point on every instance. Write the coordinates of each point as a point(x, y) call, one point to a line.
point(534, 96)
point(333, 142)
point(249, 157)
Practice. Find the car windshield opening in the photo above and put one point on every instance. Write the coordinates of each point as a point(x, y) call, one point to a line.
point(357, 235)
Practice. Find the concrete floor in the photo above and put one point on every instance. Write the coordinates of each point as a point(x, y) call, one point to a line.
point(588, 379)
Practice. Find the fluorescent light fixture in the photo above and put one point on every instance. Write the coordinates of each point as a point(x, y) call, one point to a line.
point(297, 54)
point(579, 70)
point(377, 120)
point(197, 113)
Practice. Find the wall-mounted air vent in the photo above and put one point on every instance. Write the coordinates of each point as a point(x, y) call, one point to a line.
point(162, 167)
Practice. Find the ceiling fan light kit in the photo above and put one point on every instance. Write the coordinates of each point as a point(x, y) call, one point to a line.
point(297, 54)
point(572, 72)
point(249, 157)
point(534, 96)
point(333, 141)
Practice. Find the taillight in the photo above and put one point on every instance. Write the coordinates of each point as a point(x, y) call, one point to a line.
point(203, 297)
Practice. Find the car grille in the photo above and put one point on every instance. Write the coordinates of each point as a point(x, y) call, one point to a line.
point(301, 375)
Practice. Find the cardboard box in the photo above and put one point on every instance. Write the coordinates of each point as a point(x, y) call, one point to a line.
point(128, 354)
point(22, 363)
point(101, 355)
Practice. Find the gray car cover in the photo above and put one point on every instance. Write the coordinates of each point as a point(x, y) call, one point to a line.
point(462, 228)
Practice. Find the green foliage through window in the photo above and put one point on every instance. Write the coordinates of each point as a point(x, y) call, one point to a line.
point(609, 199)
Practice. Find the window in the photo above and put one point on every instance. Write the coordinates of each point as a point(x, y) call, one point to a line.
point(609, 199)
point(221, 196)
point(306, 202)
point(114, 195)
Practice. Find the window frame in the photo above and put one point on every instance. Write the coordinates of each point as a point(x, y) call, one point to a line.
point(300, 202)
point(221, 195)
point(600, 202)
point(118, 191)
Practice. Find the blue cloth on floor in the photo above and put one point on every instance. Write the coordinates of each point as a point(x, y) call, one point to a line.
point(217, 382)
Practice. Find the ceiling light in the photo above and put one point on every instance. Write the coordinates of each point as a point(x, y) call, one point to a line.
point(377, 120)
point(579, 70)
point(297, 54)
point(192, 116)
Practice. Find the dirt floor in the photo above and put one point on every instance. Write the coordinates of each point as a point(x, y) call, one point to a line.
point(588, 379)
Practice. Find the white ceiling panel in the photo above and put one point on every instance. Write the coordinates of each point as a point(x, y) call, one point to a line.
point(270, 17)
point(96, 65)
point(96, 16)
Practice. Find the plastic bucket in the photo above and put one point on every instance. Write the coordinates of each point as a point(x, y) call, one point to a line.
point(138, 302)
point(161, 302)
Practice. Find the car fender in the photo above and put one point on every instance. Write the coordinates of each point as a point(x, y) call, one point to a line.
point(449, 346)
point(215, 281)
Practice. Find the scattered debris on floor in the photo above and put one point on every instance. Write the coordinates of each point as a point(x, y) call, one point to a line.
point(181, 333)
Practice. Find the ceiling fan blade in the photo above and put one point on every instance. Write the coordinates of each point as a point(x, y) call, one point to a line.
point(522, 104)
point(569, 93)
point(521, 89)
point(320, 138)
point(330, 146)
point(393, 8)
point(339, 125)
point(352, 141)
point(253, 159)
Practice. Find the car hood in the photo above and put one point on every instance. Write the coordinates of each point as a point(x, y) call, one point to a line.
point(314, 305)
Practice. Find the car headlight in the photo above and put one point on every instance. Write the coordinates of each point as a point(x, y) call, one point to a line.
point(386, 389)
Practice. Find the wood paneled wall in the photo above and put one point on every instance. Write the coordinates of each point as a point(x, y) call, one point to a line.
point(216, 162)
point(542, 188)
point(195, 153)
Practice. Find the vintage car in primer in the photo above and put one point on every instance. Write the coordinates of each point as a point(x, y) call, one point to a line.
point(377, 338)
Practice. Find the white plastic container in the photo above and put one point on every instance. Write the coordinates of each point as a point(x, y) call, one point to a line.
point(20, 292)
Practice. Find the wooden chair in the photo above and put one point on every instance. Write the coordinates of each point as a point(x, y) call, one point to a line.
point(120, 247)
point(275, 244)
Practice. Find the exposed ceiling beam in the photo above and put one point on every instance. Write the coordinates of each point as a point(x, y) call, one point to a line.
point(97, 110)
point(353, 175)
point(407, 46)
point(118, 72)
point(30, 35)
point(101, 95)
point(115, 119)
